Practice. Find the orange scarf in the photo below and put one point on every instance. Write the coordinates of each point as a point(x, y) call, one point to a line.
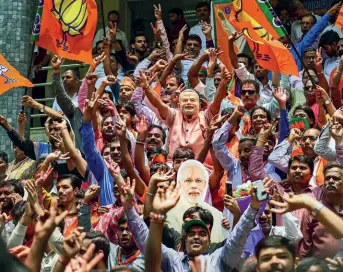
point(128, 260)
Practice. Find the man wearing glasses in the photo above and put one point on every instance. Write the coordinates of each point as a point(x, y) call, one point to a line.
point(113, 18)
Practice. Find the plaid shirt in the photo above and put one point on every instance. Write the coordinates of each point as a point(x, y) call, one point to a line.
point(108, 223)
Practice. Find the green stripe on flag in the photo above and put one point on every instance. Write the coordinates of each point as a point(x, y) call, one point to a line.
point(272, 17)
point(37, 22)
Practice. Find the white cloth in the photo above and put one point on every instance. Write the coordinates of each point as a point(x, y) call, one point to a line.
point(334, 28)
point(74, 99)
point(329, 65)
point(121, 36)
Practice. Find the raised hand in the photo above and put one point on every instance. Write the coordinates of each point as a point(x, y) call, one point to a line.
point(43, 176)
point(113, 31)
point(184, 56)
point(225, 223)
point(162, 177)
point(132, 57)
point(197, 266)
point(161, 64)
point(157, 54)
point(318, 61)
point(58, 155)
point(99, 59)
point(15, 198)
point(127, 192)
point(206, 28)
point(21, 252)
point(72, 244)
point(22, 118)
point(157, 32)
point(112, 167)
point(212, 62)
point(321, 95)
point(182, 32)
point(339, 115)
point(281, 97)
point(110, 80)
point(91, 78)
point(295, 135)
point(87, 115)
point(31, 189)
point(267, 129)
point(336, 131)
point(56, 62)
point(181, 88)
point(28, 101)
point(231, 204)
point(4, 123)
point(226, 77)
point(142, 125)
point(292, 202)
point(158, 12)
point(235, 36)
point(336, 263)
point(166, 198)
point(92, 193)
point(121, 128)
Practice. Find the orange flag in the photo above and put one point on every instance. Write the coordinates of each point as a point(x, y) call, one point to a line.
point(67, 28)
point(339, 20)
point(270, 54)
point(10, 77)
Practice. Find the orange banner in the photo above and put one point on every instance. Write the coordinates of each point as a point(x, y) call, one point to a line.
point(10, 77)
point(68, 28)
point(339, 20)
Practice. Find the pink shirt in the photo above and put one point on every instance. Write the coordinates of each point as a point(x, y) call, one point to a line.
point(187, 133)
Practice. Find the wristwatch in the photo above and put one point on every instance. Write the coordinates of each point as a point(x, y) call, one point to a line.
point(42, 110)
point(327, 102)
point(317, 209)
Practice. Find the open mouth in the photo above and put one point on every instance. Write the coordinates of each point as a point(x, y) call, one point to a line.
point(124, 240)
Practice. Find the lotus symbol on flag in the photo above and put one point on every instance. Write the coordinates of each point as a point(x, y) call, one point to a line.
point(3, 70)
point(72, 15)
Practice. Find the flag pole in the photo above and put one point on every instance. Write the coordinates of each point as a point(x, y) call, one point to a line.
point(29, 72)
point(103, 17)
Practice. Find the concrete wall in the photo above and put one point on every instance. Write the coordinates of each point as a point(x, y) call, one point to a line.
point(16, 21)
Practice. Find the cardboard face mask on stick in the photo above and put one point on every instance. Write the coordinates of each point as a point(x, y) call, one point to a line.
point(193, 179)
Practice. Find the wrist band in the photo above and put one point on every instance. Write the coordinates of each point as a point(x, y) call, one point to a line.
point(317, 209)
point(140, 142)
point(158, 218)
point(61, 261)
point(150, 194)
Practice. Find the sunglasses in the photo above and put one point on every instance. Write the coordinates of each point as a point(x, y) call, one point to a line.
point(250, 92)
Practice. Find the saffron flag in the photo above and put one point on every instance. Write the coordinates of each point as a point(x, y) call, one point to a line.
point(10, 77)
point(339, 20)
point(269, 52)
point(66, 28)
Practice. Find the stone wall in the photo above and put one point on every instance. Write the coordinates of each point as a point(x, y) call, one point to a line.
point(16, 20)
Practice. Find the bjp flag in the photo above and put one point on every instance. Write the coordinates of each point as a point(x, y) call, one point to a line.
point(10, 77)
point(339, 20)
point(66, 28)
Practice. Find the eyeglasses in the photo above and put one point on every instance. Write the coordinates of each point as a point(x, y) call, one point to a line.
point(114, 21)
point(306, 23)
point(250, 92)
point(310, 57)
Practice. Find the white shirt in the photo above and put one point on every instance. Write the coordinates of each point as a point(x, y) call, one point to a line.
point(329, 65)
point(296, 82)
point(74, 99)
point(121, 36)
point(333, 28)
point(197, 31)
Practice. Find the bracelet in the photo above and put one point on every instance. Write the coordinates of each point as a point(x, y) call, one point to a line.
point(158, 218)
point(140, 142)
point(320, 73)
point(317, 209)
point(150, 194)
point(62, 261)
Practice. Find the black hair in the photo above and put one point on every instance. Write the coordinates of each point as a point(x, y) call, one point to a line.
point(154, 168)
point(183, 153)
point(117, 58)
point(275, 241)
point(164, 136)
point(229, 111)
point(177, 11)
point(98, 42)
point(308, 111)
point(309, 49)
point(113, 12)
point(302, 159)
point(243, 55)
point(245, 139)
point(110, 94)
point(18, 187)
point(333, 164)
point(75, 72)
point(4, 156)
point(203, 4)
point(269, 117)
point(156, 150)
point(194, 37)
point(51, 120)
point(205, 215)
point(253, 82)
point(328, 38)
point(249, 265)
point(17, 211)
point(127, 106)
point(100, 242)
point(122, 219)
point(74, 180)
point(137, 34)
point(310, 15)
point(307, 263)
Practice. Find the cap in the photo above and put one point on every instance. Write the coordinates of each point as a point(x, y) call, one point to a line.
point(195, 222)
point(126, 81)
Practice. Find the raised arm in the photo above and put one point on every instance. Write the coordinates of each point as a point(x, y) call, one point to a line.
point(160, 25)
point(232, 54)
point(28, 101)
point(221, 93)
point(63, 100)
point(22, 120)
point(335, 93)
point(193, 72)
point(336, 132)
point(179, 45)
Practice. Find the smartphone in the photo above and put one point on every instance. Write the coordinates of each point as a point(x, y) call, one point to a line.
point(260, 193)
point(229, 188)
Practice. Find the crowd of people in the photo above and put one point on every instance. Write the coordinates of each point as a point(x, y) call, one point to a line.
point(153, 163)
